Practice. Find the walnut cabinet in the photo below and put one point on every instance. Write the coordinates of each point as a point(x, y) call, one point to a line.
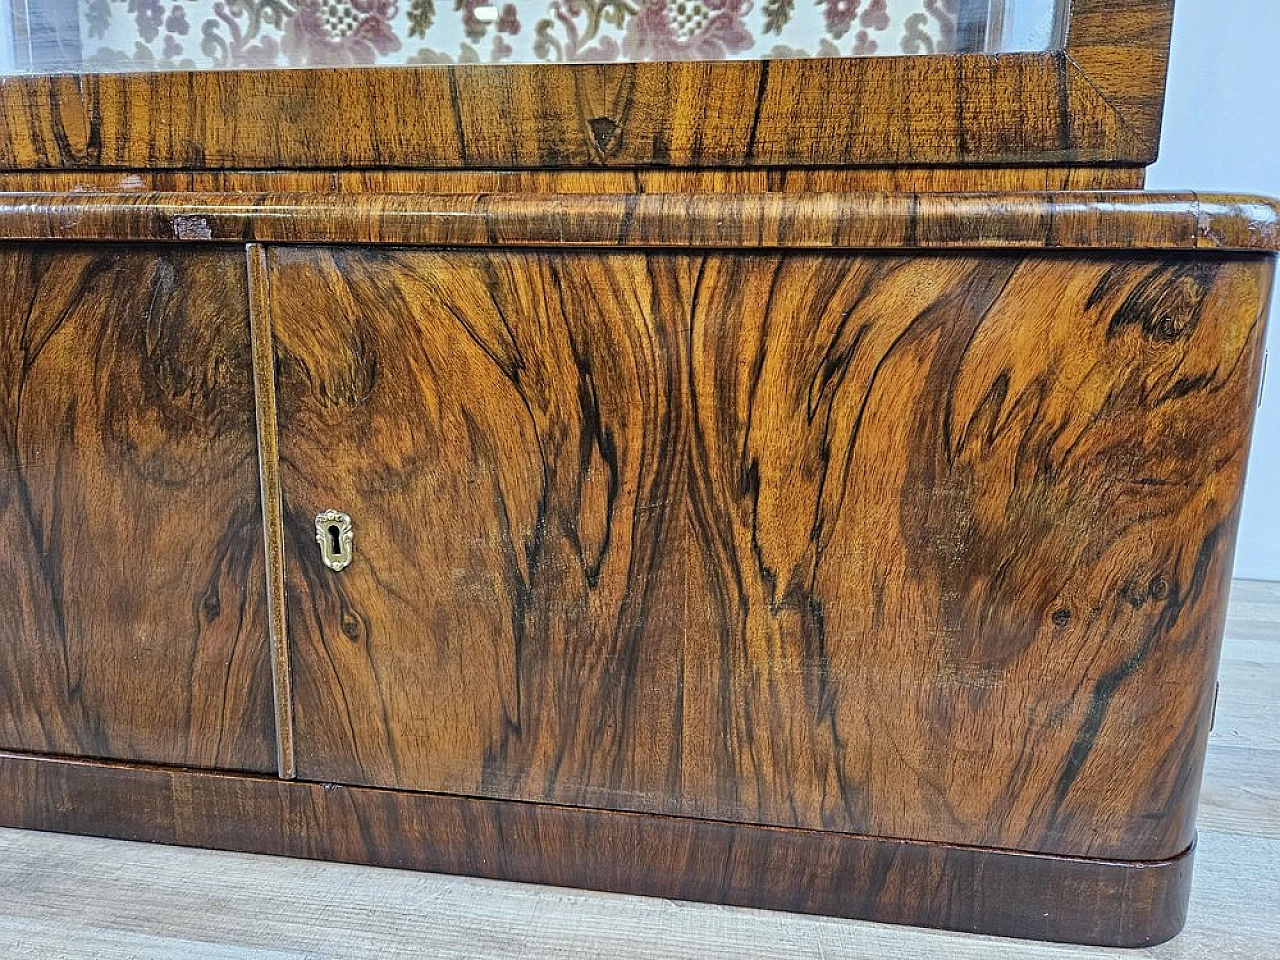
point(822, 554)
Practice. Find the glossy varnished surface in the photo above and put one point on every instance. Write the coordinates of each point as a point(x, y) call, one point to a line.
point(928, 547)
point(979, 891)
point(968, 108)
point(75, 898)
point(131, 608)
point(588, 181)
point(1076, 220)
point(1097, 101)
point(819, 550)
point(264, 390)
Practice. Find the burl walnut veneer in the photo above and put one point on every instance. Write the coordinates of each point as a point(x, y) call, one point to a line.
point(799, 483)
point(862, 554)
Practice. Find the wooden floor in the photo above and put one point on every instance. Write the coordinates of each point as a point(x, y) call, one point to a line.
point(63, 897)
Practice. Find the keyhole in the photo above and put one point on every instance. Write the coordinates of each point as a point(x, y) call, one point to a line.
point(333, 537)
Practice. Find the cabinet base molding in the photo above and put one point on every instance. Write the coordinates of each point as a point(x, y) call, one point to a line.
point(972, 889)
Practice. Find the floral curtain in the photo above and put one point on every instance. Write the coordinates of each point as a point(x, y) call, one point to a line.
point(223, 34)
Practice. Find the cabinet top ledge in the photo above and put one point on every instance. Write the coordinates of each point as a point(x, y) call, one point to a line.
point(1108, 220)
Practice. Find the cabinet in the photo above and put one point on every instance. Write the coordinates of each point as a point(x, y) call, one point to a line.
point(805, 482)
point(797, 558)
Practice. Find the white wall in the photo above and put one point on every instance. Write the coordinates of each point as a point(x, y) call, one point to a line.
point(6, 36)
point(1222, 133)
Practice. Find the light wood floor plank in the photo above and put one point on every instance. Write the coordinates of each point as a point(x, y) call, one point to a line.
point(1241, 792)
point(1248, 708)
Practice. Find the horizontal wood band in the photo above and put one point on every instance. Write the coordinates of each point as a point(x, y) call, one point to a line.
point(959, 888)
point(1076, 220)
point(973, 108)
point(899, 179)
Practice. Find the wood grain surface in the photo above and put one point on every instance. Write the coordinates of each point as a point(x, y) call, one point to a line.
point(961, 888)
point(928, 547)
point(1122, 47)
point(264, 391)
point(1098, 101)
point(945, 221)
point(131, 606)
point(84, 898)
point(901, 179)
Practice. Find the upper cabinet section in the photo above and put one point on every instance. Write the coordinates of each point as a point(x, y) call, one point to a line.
point(581, 84)
point(97, 36)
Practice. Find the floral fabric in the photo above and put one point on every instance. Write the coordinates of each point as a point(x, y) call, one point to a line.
point(227, 34)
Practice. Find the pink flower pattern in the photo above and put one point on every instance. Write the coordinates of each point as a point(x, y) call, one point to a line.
point(687, 30)
point(309, 39)
point(194, 34)
point(839, 16)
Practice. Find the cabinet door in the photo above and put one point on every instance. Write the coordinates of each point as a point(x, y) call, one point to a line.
point(931, 547)
point(131, 576)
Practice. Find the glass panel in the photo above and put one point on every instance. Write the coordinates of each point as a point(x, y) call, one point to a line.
point(45, 36)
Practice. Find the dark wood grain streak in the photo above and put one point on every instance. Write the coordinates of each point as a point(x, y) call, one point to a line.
point(926, 547)
point(960, 888)
point(131, 616)
point(1071, 220)
point(1097, 101)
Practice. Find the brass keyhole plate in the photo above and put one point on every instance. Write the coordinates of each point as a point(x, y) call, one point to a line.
point(335, 539)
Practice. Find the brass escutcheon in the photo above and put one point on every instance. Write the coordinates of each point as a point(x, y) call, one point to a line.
point(333, 534)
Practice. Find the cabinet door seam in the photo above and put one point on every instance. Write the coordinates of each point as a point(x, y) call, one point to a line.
point(264, 392)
